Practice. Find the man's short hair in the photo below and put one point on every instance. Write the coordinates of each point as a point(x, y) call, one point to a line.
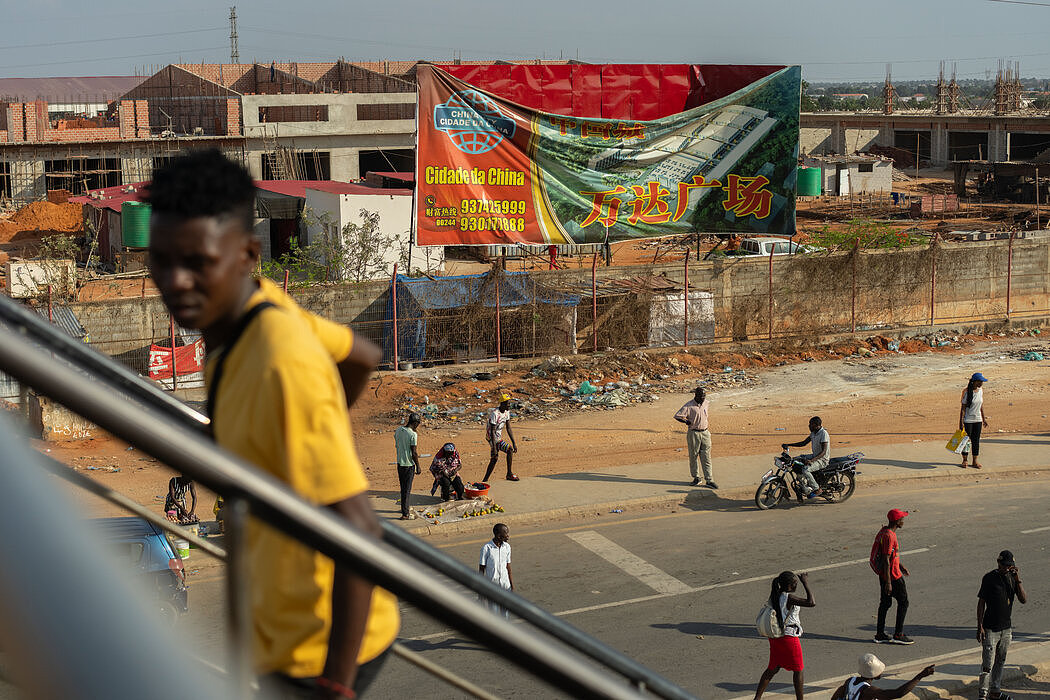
point(497, 527)
point(203, 183)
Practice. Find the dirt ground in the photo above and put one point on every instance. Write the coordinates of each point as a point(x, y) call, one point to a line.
point(884, 398)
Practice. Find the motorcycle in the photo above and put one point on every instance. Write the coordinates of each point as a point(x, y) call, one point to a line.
point(837, 480)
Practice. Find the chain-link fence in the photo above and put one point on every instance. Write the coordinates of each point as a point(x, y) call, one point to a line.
point(499, 315)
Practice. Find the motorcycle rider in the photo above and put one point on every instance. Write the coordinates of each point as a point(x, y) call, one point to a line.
point(818, 459)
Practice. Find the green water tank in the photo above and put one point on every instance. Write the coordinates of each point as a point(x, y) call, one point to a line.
point(134, 224)
point(809, 182)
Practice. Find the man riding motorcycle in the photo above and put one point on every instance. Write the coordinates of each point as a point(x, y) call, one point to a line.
point(818, 459)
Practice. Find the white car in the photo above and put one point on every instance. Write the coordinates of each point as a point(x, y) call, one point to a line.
point(762, 245)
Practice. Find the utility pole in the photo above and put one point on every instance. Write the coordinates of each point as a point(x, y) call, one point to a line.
point(235, 56)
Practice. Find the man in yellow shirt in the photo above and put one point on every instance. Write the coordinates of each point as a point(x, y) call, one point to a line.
point(279, 383)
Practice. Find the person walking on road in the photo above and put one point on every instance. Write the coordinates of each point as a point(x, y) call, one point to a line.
point(494, 563)
point(885, 560)
point(972, 417)
point(407, 460)
point(995, 602)
point(820, 443)
point(499, 419)
point(869, 668)
point(785, 651)
point(698, 437)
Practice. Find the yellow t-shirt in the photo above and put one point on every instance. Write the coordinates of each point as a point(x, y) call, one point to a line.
point(337, 339)
point(281, 407)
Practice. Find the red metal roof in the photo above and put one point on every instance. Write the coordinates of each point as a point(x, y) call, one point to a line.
point(297, 188)
point(112, 197)
point(404, 177)
point(60, 90)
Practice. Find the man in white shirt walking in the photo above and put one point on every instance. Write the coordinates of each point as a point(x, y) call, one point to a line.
point(494, 563)
point(697, 437)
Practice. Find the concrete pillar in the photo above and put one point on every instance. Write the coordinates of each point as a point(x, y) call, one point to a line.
point(345, 164)
point(998, 144)
point(939, 145)
point(838, 137)
point(27, 180)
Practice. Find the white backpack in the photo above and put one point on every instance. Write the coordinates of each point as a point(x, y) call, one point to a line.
point(767, 624)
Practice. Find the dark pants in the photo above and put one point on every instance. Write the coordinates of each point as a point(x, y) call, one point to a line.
point(898, 593)
point(973, 431)
point(405, 475)
point(447, 486)
point(275, 686)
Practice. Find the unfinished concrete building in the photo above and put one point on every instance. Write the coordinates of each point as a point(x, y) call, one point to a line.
point(311, 121)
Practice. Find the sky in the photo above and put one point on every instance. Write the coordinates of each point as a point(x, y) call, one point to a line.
point(831, 39)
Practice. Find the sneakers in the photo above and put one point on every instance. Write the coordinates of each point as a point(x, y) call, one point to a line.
point(696, 482)
point(712, 485)
point(902, 639)
point(882, 638)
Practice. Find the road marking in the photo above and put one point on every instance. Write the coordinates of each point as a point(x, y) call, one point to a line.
point(1038, 529)
point(688, 589)
point(660, 581)
point(830, 684)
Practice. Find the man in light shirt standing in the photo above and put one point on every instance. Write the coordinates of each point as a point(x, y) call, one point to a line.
point(494, 563)
point(698, 437)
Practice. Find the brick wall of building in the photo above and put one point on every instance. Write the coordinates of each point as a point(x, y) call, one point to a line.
point(16, 121)
point(28, 122)
point(233, 117)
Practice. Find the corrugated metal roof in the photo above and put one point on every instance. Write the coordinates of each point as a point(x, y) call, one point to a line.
point(297, 188)
point(64, 318)
point(406, 177)
point(112, 197)
point(84, 89)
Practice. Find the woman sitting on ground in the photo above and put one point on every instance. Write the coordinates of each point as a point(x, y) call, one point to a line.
point(445, 468)
point(175, 502)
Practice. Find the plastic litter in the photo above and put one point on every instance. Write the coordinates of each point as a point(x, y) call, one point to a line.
point(727, 369)
point(616, 510)
point(893, 345)
point(586, 388)
point(1033, 356)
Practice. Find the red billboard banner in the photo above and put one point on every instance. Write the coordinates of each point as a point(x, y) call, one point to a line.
point(189, 359)
point(491, 171)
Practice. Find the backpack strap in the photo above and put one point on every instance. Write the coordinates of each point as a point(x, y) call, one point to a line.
point(220, 364)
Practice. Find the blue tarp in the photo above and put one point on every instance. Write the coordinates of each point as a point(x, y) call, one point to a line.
point(418, 297)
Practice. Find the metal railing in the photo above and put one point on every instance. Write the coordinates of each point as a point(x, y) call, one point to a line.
point(143, 415)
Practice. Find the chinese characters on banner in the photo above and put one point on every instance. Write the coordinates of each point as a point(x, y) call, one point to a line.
point(489, 171)
point(189, 359)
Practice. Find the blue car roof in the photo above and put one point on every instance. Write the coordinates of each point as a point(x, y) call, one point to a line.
point(125, 527)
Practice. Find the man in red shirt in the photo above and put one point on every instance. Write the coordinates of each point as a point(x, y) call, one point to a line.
point(886, 562)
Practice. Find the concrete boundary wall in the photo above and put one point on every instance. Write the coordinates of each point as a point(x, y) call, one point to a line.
point(812, 294)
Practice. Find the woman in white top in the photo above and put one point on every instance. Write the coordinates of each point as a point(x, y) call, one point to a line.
point(786, 651)
point(971, 416)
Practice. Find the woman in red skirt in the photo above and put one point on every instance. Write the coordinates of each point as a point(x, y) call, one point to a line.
point(785, 651)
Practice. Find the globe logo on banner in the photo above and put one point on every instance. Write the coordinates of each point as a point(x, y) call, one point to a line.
point(473, 122)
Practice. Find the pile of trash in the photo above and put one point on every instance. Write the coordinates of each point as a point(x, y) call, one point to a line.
point(557, 386)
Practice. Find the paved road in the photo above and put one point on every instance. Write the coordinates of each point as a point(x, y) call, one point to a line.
point(679, 592)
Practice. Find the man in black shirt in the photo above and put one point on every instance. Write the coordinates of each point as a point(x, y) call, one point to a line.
point(995, 601)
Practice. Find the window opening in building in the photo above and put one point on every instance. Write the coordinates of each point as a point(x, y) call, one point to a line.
point(1026, 146)
point(5, 180)
point(397, 110)
point(78, 175)
point(907, 141)
point(396, 160)
point(967, 145)
point(865, 167)
point(288, 164)
point(293, 113)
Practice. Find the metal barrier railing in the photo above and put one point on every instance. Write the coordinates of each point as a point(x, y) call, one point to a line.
point(172, 432)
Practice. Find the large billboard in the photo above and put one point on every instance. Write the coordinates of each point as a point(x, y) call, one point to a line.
point(489, 171)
